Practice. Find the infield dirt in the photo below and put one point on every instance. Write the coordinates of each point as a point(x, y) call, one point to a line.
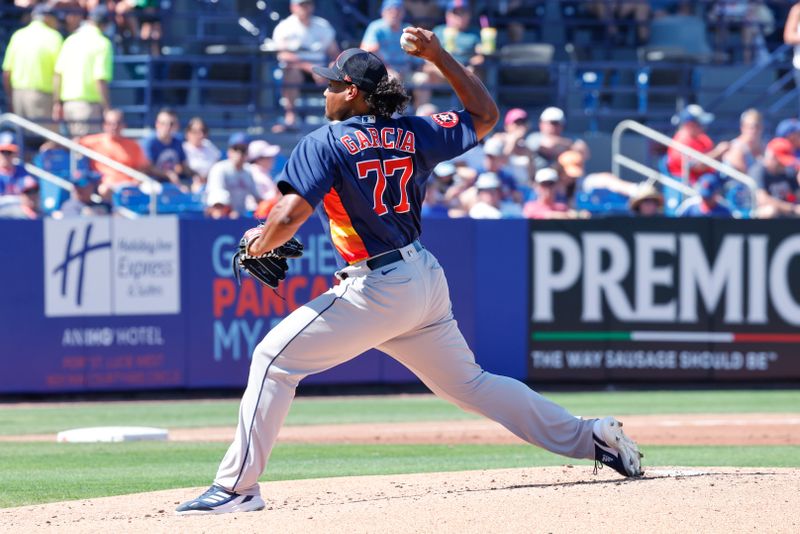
point(556, 499)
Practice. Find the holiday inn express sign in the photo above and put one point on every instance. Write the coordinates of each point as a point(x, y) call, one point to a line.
point(639, 299)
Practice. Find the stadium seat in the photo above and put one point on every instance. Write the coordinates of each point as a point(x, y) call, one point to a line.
point(524, 74)
point(57, 161)
point(170, 200)
point(51, 196)
point(739, 200)
point(677, 37)
point(132, 198)
point(601, 202)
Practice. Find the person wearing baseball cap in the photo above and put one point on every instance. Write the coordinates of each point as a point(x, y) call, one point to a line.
point(550, 142)
point(12, 173)
point(364, 180)
point(455, 34)
point(777, 178)
point(516, 127)
point(363, 69)
point(691, 122)
point(28, 66)
point(83, 200)
point(457, 38)
point(83, 71)
point(706, 203)
point(789, 129)
point(29, 198)
point(8, 143)
point(261, 157)
point(233, 176)
point(302, 40)
point(496, 161)
point(488, 186)
point(218, 205)
point(383, 35)
point(545, 206)
point(515, 116)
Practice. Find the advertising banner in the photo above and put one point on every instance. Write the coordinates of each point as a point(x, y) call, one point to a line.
point(228, 320)
point(664, 300)
point(100, 311)
point(111, 266)
point(113, 304)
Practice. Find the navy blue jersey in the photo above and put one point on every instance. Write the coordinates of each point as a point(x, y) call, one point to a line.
point(366, 176)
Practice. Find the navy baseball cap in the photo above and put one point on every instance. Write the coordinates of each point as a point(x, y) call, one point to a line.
point(363, 69)
point(82, 178)
point(708, 184)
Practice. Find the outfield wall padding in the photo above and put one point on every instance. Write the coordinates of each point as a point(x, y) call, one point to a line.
point(103, 304)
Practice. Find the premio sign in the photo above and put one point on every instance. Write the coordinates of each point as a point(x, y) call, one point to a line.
point(99, 266)
point(637, 299)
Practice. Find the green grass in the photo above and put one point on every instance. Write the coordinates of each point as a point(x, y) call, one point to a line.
point(47, 472)
point(308, 411)
point(40, 472)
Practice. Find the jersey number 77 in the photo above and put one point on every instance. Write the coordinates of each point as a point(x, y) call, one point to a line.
point(384, 168)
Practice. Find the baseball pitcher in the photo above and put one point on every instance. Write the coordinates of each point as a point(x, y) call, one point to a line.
point(364, 174)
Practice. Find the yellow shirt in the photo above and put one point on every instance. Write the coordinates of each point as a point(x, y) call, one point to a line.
point(31, 56)
point(86, 57)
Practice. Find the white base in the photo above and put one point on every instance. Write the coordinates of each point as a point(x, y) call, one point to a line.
point(112, 434)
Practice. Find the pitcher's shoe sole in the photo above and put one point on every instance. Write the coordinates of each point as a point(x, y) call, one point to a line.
point(616, 450)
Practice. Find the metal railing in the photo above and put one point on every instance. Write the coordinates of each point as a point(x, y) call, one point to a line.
point(618, 159)
point(24, 124)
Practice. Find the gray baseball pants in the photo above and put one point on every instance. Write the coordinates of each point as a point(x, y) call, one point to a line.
point(405, 313)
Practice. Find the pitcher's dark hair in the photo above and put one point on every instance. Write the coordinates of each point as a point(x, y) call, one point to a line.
point(388, 98)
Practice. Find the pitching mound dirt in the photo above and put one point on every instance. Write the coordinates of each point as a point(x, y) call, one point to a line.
point(564, 499)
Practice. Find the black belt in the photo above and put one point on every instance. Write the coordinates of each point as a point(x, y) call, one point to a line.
point(390, 257)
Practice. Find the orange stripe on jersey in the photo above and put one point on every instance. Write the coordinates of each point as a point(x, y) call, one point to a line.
point(344, 236)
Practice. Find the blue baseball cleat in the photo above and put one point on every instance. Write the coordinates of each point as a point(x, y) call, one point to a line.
point(218, 500)
point(616, 450)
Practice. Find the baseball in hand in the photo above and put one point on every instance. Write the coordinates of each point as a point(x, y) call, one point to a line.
point(407, 42)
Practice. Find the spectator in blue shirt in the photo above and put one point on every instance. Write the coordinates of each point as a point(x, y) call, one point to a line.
point(12, 174)
point(382, 37)
point(706, 203)
point(165, 152)
point(456, 38)
point(455, 35)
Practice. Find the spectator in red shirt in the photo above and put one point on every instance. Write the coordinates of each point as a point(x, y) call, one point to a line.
point(691, 124)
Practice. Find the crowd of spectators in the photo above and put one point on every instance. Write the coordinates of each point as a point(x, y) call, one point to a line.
point(529, 168)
